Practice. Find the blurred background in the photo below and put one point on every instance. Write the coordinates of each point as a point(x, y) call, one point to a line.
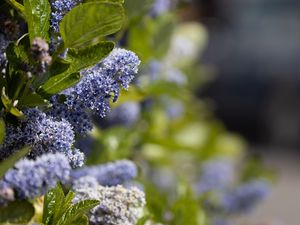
point(253, 54)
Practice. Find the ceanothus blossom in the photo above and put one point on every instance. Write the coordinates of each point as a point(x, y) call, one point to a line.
point(32, 178)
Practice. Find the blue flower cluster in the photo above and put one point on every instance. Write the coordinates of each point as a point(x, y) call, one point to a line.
point(109, 174)
point(160, 7)
point(97, 86)
point(44, 135)
point(59, 9)
point(215, 175)
point(246, 196)
point(221, 221)
point(32, 178)
point(125, 114)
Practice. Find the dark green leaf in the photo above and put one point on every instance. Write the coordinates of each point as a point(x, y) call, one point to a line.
point(17, 55)
point(52, 204)
point(17, 212)
point(89, 56)
point(2, 131)
point(37, 14)
point(10, 161)
point(76, 211)
point(88, 22)
point(17, 6)
point(58, 83)
point(32, 100)
point(131, 7)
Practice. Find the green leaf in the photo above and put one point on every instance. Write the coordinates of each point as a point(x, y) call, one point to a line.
point(89, 22)
point(52, 204)
point(37, 14)
point(58, 83)
point(9, 162)
point(76, 211)
point(83, 220)
point(16, 112)
point(32, 100)
point(89, 56)
point(131, 7)
point(2, 130)
point(9, 104)
point(17, 212)
point(17, 6)
point(66, 203)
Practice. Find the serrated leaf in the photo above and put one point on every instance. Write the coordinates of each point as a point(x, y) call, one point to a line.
point(83, 220)
point(2, 131)
point(9, 162)
point(90, 21)
point(58, 83)
point(89, 56)
point(76, 211)
point(37, 14)
point(66, 203)
point(52, 203)
point(17, 212)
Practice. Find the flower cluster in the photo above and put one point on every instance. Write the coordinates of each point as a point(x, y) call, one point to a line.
point(98, 84)
point(32, 178)
point(125, 114)
point(160, 7)
point(109, 174)
point(59, 9)
point(215, 175)
point(118, 206)
point(245, 197)
point(44, 135)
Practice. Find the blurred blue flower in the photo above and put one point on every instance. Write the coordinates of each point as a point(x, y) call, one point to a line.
point(245, 197)
point(32, 178)
point(215, 175)
point(125, 114)
point(109, 174)
point(160, 6)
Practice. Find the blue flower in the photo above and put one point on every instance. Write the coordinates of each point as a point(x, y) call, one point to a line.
point(43, 134)
point(125, 114)
point(215, 175)
point(160, 7)
point(60, 8)
point(85, 182)
point(245, 197)
point(97, 86)
point(109, 174)
point(32, 178)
